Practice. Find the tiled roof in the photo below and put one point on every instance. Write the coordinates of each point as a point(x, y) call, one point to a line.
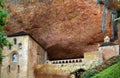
point(18, 34)
point(108, 44)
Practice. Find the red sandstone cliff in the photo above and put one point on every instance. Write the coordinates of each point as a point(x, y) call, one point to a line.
point(65, 28)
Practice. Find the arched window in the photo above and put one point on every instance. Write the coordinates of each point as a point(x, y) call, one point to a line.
point(15, 41)
point(80, 60)
point(56, 62)
point(10, 47)
point(18, 68)
point(59, 62)
point(9, 68)
point(77, 61)
point(20, 45)
point(73, 61)
point(70, 61)
point(62, 61)
point(14, 57)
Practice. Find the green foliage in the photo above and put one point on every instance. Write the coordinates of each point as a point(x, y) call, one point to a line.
point(3, 42)
point(88, 73)
point(118, 15)
point(3, 15)
point(91, 72)
point(118, 19)
point(2, 4)
point(111, 72)
point(3, 37)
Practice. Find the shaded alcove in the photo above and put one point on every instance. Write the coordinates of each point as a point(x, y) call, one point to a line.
point(77, 73)
point(58, 52)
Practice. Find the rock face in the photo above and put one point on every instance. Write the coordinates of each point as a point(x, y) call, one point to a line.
point(65, 28)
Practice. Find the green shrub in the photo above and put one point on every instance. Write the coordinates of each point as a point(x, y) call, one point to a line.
point(88, 73)
point(3, 37)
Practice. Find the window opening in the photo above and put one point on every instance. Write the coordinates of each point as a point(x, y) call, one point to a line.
point(80, 60)
point(18, 68)
point(10, 47)
point(62, 61)
point(56, 62)
point(20, 45)
point(38, 59)
point(77, 61)
point(15, 41)
point(53, 62)
point(73, 61)
point(15, 57)
point(70, 61)
point(9, 68)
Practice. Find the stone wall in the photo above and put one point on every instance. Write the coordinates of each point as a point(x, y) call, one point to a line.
point(109, 51)
point(67, 66)
point(59, 69)
point(36, 56)
point(40, 75)
point(92, 59)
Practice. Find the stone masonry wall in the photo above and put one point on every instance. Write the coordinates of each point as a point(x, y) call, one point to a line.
point(109, 51)
point(92, 59)
point(36, 56)
point(65, 67)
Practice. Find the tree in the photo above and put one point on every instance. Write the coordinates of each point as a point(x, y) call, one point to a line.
point(3, 38)
point(118, 19)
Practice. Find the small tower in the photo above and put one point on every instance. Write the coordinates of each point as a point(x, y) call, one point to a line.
point(108, 49)
point(22, 57)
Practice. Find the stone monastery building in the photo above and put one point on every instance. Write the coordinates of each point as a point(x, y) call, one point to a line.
point(22, 57)
point(26, 53)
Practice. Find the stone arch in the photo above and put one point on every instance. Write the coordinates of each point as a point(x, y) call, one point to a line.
point(63, 61)
point(57, 62)
point(14, 62)
point(60, 62)
point(77, 73)
point(53, 62)
point(80, 60)
point(67, 61)
point(14, 57)
point(77, 61)
point(70, 61)
point(73, 61)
